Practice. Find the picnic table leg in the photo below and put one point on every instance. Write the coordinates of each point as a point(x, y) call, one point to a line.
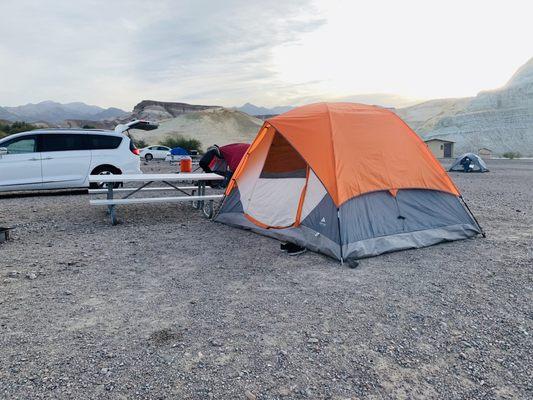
point(209, 209)
point(206, 206)
point(201, 192)
point(196, 203)
point(111, 207)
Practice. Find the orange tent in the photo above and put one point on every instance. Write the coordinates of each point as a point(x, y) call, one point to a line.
point(324, 176)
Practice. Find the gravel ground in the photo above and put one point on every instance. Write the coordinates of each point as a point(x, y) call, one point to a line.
point(170, 305)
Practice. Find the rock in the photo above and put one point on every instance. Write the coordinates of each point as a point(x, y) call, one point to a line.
point(104, 371)
point(283, 391)
point(159, 110)
point(9, 280)
point(249, 395)
point(13, 274)
point(312, 340)
point(209, 126)
point(216, 343)
point(31, 276)
point(67, 293)
point(499, 119)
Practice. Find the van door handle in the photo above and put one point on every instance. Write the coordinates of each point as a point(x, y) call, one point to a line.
point(34, 159)
point(48, 158)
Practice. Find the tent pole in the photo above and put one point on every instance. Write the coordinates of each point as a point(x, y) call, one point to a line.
point(473, 216)
point(340, 239)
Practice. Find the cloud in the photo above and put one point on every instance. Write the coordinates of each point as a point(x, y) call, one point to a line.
point(119, 52)
point(269, 52)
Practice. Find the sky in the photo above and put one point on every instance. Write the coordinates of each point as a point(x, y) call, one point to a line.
point(270, 53)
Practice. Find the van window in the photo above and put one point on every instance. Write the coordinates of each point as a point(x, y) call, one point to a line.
point(62, 142)
point(103, 142)
point(21, 145)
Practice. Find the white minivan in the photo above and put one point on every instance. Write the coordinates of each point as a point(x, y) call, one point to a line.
point(64, 158)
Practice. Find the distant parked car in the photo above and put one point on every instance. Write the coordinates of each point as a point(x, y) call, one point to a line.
point(154, 152)
point(63, 158)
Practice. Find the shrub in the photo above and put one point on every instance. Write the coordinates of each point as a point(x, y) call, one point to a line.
point(139, 143)
point(15, 127)
point(512, 154)
point(182, 141)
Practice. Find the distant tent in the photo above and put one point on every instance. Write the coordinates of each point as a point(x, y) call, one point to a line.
point(347, 180)
point(476, 163)
point(179, 151)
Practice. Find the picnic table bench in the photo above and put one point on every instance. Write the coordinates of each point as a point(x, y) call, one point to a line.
point(194, 191)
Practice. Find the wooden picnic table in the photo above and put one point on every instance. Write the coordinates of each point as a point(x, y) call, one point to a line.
point(194, 192)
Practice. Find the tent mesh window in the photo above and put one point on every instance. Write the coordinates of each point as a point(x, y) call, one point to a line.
point(283, 161)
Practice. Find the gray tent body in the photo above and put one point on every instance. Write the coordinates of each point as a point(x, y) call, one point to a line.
point(476, 161)
point(369, 224)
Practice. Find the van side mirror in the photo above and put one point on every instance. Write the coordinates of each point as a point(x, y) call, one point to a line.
point(3, 151)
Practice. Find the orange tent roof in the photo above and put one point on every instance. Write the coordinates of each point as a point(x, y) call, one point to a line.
point(356, 149)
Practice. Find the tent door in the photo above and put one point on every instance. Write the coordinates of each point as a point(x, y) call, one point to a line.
point(277, 195)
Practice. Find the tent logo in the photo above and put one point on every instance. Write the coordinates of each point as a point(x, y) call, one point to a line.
point(323, 221)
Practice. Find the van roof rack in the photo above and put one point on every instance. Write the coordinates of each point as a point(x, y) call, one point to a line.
point(73, 129)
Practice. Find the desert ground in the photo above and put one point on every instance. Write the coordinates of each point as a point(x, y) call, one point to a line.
point(170, 305)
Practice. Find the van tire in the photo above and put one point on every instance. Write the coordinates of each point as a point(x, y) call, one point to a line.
point(148, 157)
point(104, 170)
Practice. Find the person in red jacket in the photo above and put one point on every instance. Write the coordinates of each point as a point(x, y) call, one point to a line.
point(223, 160)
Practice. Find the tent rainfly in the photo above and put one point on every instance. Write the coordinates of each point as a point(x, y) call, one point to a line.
point(346, 180)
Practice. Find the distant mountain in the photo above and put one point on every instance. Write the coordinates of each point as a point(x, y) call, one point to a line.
point(210, 126)
point(54, 112)
point(78, 123)
point(523, 76)
point(160, 110)
point(423, 117)
point(110, 114)
point(378, 99)
point(6, 115)
point(500, 119)
point(381, 99)
point(254, 110)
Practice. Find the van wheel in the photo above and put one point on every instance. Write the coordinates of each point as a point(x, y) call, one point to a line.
point(104, 170)
point(148, 157)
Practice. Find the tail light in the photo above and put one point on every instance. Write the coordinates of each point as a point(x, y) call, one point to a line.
point(134, 149)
